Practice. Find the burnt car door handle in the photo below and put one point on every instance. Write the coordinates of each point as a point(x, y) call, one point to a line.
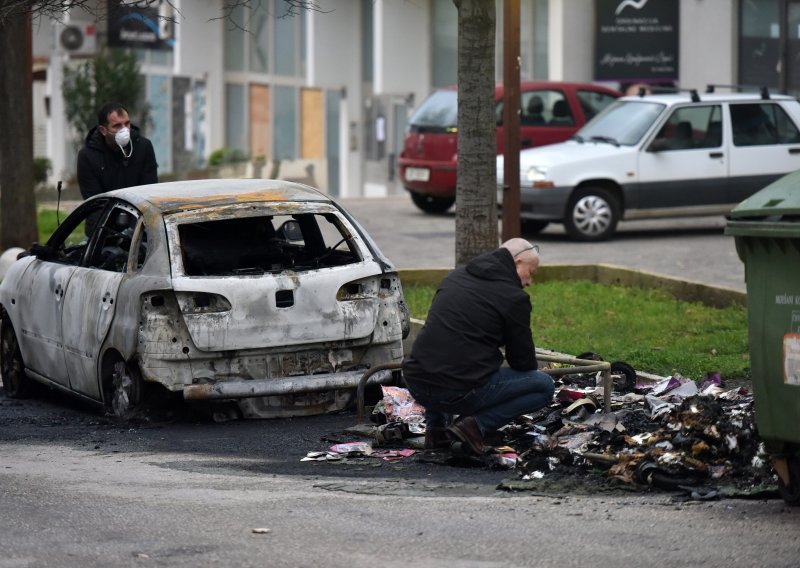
point(716, 155)
point(794, 150)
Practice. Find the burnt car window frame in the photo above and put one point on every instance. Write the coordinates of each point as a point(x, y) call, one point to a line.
point(314, 245)
point(91, 257)
point(55, 252)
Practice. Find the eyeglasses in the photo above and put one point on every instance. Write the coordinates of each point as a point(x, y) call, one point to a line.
point(532, 247)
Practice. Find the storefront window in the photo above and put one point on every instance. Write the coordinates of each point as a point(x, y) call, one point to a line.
point(759, 45)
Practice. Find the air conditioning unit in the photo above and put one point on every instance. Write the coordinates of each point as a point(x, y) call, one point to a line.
point(79, 38)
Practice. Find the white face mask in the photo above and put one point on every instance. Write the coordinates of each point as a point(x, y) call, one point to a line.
point(122, 137)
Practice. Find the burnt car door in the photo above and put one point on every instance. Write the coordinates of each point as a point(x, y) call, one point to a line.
point(42, 291)
point(91, 297)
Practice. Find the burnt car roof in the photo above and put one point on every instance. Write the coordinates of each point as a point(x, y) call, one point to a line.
point(177, 196)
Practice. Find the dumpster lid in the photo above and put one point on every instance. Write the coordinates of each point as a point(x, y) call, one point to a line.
point(780, 198)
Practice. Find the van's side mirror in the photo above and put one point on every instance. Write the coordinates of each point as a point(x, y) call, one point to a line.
point(658, 145)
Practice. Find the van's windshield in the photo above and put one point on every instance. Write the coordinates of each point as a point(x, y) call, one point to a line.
point(624, 122)
point(437, 113)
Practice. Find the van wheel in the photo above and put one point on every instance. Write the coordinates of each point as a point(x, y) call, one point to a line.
point(432, 204)
point(592, 214)
point(123, 389)
point(15, 382)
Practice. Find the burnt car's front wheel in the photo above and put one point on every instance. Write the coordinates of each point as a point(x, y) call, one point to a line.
point(592, 214)
point(432, 204)
point(123, 389)
point(15, 382)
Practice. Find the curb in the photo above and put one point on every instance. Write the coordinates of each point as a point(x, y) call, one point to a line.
point(686, 290)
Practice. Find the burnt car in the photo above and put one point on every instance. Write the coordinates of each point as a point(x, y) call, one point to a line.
point(264, 295)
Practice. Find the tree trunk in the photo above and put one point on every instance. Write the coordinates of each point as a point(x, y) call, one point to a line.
point(17, 200)
point(476, 187)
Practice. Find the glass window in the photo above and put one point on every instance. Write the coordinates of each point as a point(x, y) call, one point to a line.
point(284, 141)
point(437, 113)
point(234, 40)
point(592, 102)
point(259, 40)
point(445, 43)
point(235, 125)
point(285, 40)
point(761, 124)
point(759, 44)
point(691, 127)
point(541, 68)
point(622, 122)
point(543, 107)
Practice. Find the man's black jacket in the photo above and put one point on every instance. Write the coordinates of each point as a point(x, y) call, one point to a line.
point(102, 168)
point(478, 308)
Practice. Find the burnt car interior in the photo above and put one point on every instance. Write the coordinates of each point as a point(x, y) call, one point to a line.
point(265, 244)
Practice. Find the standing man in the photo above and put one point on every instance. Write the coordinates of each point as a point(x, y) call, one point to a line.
point(114, 156)
point(455, 364)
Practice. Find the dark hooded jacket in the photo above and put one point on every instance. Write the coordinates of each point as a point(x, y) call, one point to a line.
point(102, 168)
point(478, 309)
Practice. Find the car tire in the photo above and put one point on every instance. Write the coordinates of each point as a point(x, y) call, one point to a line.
point(124, 389)
point(12, 369)
point(592, 214)
point(432, 204)
point(532, 226)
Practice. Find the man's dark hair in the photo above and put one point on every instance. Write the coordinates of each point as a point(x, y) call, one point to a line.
point(106, 109)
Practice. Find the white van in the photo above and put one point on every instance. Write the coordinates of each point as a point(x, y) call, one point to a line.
point(660, 155)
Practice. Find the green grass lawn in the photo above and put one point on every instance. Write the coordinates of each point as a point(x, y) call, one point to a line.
point(648, 329)
point(48, 222)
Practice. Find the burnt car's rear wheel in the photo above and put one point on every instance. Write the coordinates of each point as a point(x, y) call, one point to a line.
point(432, 204)
point(123, 389)
point(15, 382)
point(592, 214)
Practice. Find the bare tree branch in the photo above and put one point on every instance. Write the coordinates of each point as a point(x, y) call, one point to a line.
point(57, 9)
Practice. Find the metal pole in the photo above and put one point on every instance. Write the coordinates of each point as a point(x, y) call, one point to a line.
point(511, 105)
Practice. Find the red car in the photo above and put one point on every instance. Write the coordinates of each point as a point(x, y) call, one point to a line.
point(550, 112)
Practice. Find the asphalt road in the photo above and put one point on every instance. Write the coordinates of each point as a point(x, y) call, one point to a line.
point(78, 489)
point(687, 248)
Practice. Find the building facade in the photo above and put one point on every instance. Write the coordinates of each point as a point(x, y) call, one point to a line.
point(324, 95)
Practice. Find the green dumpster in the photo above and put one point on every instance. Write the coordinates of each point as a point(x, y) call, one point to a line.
point(766, 227)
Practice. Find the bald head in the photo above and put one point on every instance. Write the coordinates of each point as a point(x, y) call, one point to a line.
point(526, 258)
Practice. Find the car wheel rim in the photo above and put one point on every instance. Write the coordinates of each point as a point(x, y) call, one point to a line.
point(122, 389)
point(592, 215)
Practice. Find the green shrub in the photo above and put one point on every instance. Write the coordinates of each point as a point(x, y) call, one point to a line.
point(226, 156)
point(41, 169)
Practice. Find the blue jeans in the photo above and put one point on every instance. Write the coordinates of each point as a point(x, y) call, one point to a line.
point(507, 395)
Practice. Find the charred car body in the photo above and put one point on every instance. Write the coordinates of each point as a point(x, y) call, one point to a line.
point(266, 293)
